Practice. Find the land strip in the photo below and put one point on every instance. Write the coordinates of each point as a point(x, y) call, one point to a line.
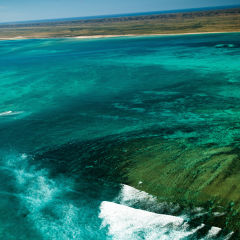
point(227, 20)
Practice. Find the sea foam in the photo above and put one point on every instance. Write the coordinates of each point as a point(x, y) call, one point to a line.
point(43, 198)
point(124, 221)
point(10, 113)
point(128, 223)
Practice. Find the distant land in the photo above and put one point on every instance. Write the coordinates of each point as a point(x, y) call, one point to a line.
point(204, 20)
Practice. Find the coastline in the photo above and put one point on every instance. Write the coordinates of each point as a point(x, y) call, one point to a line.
point(148, 35)
point(194, 152)
point(117, 36)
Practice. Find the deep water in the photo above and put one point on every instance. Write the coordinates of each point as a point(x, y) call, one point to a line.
point(64, 102)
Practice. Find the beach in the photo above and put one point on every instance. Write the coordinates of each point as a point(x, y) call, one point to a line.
point(187, 22)
point(119, 36)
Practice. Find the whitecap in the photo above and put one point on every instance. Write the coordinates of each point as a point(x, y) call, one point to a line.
point(124, 222)
point(131, 197)
point(42, 197)
point(213, 232)
point(10, 113)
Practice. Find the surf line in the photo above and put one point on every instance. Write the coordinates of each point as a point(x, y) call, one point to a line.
point(9, 113)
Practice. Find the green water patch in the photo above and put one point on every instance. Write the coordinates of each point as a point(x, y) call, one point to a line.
point(160, 114)
point(179, 172)
point(175, 171)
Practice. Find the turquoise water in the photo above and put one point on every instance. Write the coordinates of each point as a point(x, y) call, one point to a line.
point(71, 97)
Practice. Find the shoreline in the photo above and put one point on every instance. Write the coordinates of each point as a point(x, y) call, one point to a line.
point(115, 36)
point(148, 35)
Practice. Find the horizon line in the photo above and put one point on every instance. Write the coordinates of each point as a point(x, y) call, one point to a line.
point(115, 15)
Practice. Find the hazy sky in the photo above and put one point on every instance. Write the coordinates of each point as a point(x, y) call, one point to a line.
point(14, 10)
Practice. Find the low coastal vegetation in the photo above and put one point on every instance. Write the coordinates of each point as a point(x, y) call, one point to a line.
point(227, 20)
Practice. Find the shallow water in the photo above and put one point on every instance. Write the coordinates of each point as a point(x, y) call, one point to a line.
point(55, 92)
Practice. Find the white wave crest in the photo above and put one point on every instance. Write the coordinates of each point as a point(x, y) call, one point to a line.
point(128, 223)
point(10, 113)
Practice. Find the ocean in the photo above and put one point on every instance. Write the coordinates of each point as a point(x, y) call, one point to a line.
point(68, 106)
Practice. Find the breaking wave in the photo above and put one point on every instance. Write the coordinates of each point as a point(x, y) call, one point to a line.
point(53, 208)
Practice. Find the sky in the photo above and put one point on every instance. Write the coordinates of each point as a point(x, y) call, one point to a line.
point(19, 10)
